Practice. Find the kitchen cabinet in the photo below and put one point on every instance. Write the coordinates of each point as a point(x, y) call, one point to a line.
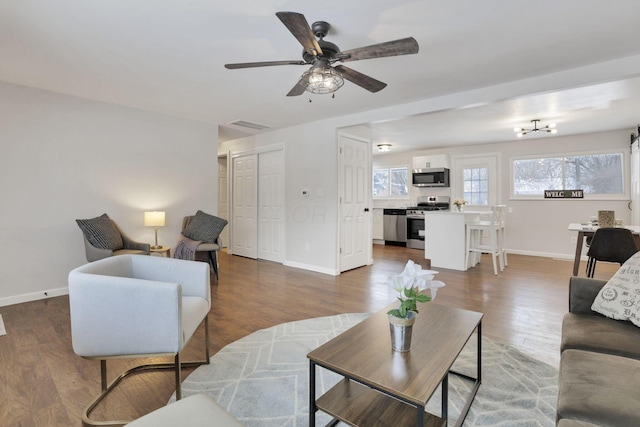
point(378, 224)
point(434, 161)
point(445, 238)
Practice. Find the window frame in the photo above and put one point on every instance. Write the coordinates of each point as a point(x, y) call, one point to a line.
point(492, 161)
point(487, 183)
point(625, 195)
point(388, 169)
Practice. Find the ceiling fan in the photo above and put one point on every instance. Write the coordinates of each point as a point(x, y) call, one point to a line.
point(323, 76)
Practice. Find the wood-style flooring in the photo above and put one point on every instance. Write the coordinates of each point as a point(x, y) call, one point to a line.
point(43, 383)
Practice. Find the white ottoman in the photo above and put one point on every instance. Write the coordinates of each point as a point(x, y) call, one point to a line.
point(193, 411)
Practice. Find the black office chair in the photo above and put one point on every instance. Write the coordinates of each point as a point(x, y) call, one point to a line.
point(610, 244)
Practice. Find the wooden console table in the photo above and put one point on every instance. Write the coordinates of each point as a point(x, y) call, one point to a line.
point(384, 387)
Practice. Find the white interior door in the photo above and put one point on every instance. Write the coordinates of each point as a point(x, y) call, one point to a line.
point(245, 206)
point(355, 197)
point(223, 199)
point(271, 206)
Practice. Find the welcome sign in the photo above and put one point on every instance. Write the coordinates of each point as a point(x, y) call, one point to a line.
point(563, 194)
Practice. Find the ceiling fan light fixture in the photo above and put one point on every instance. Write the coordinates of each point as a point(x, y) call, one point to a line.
point(322, 80)
point(384, 147)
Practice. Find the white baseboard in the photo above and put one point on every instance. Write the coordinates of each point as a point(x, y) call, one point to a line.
point(33, 296)
point(546, 255)
point(311, 268)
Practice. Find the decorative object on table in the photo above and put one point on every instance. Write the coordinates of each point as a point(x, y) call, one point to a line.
point(459, 204)
point(606, 218)
point(409, 285)
point(154, 219)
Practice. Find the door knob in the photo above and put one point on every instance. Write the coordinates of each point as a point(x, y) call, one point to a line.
point(366, 209)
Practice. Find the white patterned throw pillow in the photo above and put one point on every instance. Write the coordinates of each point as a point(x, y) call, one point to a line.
point(619, 298)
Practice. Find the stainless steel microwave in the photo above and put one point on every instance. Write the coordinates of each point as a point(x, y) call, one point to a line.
point(432, 177)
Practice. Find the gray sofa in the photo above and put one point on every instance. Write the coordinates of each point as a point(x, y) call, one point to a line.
point(599, 383)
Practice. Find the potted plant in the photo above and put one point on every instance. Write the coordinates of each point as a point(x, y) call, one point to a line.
point(409, 286)
point(459, 203)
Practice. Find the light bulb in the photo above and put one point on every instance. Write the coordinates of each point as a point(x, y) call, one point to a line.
point(552, 125)
point(554, 130)
point(519, 134)
point(517, 129)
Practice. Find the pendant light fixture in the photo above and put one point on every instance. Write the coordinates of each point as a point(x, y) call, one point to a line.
point(550, 128)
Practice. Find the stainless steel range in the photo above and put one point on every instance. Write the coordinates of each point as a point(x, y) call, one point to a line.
point(415, 218)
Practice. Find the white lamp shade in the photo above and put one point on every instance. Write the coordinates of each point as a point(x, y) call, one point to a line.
point(154, 219)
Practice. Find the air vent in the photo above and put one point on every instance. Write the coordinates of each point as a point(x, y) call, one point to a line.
point(250, 125)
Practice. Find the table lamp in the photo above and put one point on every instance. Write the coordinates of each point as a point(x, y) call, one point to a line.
point(154, 219)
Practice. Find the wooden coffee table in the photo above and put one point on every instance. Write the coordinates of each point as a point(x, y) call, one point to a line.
point(385, 387)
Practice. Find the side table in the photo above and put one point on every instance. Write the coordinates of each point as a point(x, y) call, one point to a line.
point(162, 250)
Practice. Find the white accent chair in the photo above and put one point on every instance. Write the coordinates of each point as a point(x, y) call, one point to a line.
point(193, 411)
point(494, 227)
point(134, 306)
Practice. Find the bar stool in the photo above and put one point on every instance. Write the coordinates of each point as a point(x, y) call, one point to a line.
point(495, 228)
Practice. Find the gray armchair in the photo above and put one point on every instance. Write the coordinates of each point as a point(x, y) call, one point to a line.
point(103, 238)
point(207, 252)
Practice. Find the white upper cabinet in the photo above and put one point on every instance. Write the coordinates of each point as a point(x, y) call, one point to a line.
point(433, 161)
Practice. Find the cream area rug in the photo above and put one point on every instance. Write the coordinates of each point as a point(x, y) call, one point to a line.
point(262, 379)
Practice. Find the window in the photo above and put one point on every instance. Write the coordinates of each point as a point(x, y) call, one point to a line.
point(391, 182)
point(592, 173)
point(476, 185)
point(476, 179)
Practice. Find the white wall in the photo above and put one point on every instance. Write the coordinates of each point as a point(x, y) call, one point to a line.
point(310, 163)
point(63, 158)
point(535, 227)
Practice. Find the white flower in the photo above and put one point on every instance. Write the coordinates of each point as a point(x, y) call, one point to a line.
point(414, 276)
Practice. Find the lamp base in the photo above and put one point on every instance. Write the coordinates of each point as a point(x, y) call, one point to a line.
point(155, 247)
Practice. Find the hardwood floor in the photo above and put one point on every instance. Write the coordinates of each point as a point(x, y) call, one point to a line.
point(43, 383)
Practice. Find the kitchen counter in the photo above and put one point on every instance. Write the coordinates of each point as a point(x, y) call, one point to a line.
point(445, 238)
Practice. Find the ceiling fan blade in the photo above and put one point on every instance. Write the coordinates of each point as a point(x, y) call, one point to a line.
point(298, 89)
point(362, 80)
point(262, 64)
point(299, 27)
point(406, 46)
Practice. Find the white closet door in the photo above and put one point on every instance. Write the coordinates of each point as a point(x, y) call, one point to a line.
point(271, 206)
point(245, 206)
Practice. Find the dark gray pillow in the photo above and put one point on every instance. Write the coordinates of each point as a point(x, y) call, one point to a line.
point(101, 232)
point(204, 227)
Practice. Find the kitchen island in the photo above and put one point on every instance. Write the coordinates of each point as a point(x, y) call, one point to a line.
point(445, 238)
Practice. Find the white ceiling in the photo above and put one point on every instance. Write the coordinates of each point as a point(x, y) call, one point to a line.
point(168, 57)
